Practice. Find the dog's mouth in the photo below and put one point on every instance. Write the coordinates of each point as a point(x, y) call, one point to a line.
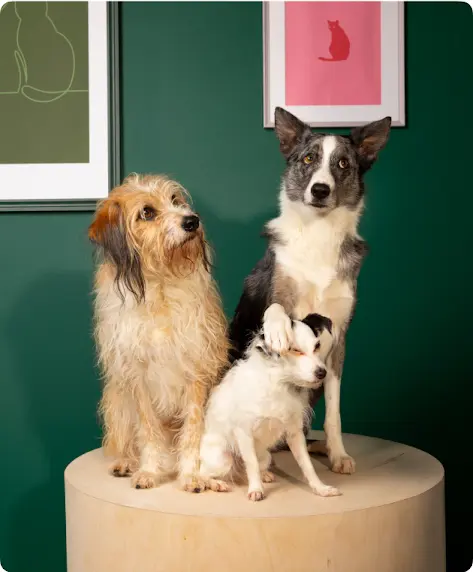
point(309, 384)
point(321, 205)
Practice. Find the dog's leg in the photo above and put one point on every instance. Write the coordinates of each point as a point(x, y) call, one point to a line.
point(296, 441)
point(340, 461)
point(156, 460)
point(215, 462)
point(248, 454)
point(265, 460)
point(119, 419)
point(156, 463)
point(190, 438)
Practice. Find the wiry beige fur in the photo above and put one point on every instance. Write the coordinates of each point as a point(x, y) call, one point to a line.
point(160, 331)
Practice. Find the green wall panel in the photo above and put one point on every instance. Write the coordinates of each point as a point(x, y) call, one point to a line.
point(192, 107)
point(48, 386)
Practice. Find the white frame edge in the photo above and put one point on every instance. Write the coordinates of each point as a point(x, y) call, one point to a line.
point(83, 181)
point(268, 115)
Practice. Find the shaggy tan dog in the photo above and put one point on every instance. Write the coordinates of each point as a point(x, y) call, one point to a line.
point(160, 330)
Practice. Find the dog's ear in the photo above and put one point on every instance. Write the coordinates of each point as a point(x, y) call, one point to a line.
point(290, 130)
point(370, 139)
point(317, 323)
point(108, 230)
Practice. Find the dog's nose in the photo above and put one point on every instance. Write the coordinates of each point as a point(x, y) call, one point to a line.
point(320, 373)
point(190, 223)
point(320, 191)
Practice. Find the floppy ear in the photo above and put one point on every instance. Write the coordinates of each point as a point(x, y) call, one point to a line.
point(317, 323)
point(108, 230)
point(370, 139)
point(290, 130)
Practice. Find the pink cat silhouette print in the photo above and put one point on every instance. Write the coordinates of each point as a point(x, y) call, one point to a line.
point(340, 45)
point(332, 53)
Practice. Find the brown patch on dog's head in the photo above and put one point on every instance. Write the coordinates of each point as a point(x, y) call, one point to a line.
point(109, 232)
point(146, 227)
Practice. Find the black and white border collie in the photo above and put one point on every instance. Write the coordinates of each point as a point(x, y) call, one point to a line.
point(314, 253)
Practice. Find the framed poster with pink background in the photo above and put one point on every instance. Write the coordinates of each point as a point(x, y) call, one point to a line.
point(334, 64)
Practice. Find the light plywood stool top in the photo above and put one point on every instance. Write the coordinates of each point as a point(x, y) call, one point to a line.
point(386, 473)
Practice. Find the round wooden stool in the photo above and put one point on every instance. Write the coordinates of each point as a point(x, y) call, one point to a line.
point(389, 519)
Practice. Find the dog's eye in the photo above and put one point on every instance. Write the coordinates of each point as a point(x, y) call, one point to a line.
point(148, 213)
point(343, 163)
point(308, 158)
point(317, 346)
point(175, 200)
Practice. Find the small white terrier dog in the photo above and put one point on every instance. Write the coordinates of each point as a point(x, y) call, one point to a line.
point(261, 399)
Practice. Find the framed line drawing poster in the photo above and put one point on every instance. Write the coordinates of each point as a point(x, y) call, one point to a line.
point(58, 94)
point(334, 64)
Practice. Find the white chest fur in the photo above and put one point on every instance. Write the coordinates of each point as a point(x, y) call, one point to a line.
point(155, 341)
point(309, 252)
point(252, 397)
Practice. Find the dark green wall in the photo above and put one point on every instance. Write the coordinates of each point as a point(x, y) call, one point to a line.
point(192, 98)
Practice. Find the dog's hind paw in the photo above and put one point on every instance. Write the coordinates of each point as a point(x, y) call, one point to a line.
point(218, 486)
point(123, 468)
point(255, 496)
point(267, 477)
point(344, 464)
point(144, 480)
point(326, 491)
point(192, 484)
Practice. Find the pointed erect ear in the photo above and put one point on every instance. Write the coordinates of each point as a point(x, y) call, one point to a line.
point(370, 139)
point(290, 130)
point(108, 230)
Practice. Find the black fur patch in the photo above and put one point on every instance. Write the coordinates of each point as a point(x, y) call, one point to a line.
point(317, 323)
point(252, 305)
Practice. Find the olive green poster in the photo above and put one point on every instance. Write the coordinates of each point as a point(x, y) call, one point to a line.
point(44, 99)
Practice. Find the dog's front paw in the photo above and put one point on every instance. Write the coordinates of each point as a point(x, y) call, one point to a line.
point(218, 486)
point(267, 477)
point(277, 329)
point(256, 496)
point(144, 480)
point(123, 468)
point(326, 491)
point(343, 464)
point(192, 483)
